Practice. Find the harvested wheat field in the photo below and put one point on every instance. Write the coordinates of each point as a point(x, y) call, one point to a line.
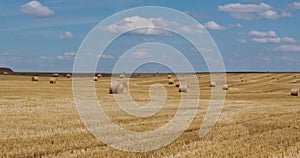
point(260, 118)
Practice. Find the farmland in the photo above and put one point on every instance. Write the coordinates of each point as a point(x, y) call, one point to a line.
point(259, 118)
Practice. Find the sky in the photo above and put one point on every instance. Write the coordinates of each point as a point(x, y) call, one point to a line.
point(251, 35)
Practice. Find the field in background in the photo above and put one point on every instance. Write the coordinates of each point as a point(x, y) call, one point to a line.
point(259, 118)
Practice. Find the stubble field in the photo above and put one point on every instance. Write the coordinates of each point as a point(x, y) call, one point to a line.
point(259, 118)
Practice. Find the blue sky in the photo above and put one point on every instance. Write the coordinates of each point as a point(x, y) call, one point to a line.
point(252, 35)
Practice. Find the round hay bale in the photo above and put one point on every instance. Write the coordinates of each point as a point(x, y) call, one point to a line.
point(35, 78)
point(122, 76)
point(169, 76)
point(95, 78)
point(53, 80)
point(225, 87)
point(55, 75)
point(99, 75)
point(118, 87)
point(293, 81)
point(294, 92)
point(183, 88)
point(171, 81)
point(68, 75)
point(177, 84)
point(212, 84)
point(5, 73)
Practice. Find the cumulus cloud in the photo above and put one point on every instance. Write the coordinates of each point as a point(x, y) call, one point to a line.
point(242, 41)
point(262, 34)
point(267, 40)
point(105, 56)
point(44, 57)
point(264, 57)
point(67, 35)
point(274, 40)
point(130, 23)
point(295, 5)
point(4, 53)
point(237, 25)
point(288, 48)
point(205, 50)
point(269, 37)
point(153, 25)
point(67, 56)
point(269, 14)
point(35, 8)
point(251, 11)
point(192, 29)
point(286, 57)
point(244, 8)
point(140, 54)
point(213, 26)
point(288, 39)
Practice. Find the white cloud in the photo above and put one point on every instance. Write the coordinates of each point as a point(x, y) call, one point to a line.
point(288, 39)
point(243, 16)
point(295, 5)
point(238, 25)
point(205, 50)
point(269, 14)
point(105, 56)
point(67, 35)
point(288, 48)
point(251, 11)
point(4, 54)
point(140, 54)
point(35, 8)
point(242, 41)
point(262, 34)
point(267, 40)
point(67, 56)
point(274, 40)
point(44, 57)
point(137, 24)
point(153, 24)
point(234, 26)
point(286, 14)
point(266, 58)
point(269, 37)
point(213, 26)
point(130, 23)
point(244, 8)
point(148, 39)
point(192, 29)
point(286, 57)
